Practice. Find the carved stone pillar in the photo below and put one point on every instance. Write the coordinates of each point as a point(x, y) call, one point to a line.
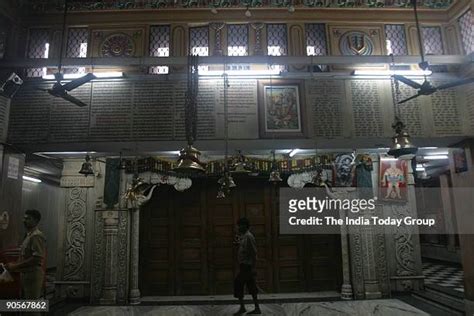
point(134, 295)
point(403, 241)
point(76, 229)
point(109, 288)
point(371, 283)
point(346, 289)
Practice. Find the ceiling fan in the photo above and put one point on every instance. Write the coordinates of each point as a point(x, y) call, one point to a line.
point(61, 90)
point(425, 88)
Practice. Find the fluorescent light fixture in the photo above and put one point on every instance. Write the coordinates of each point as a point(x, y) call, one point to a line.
point(436, 153)
point(31, 179)
point(428, 147)
point(110, 74)
point(389, 159)
point(239, 72)
point(293, 152)
point(377, 73)
point(66, 152)
point(436, 157)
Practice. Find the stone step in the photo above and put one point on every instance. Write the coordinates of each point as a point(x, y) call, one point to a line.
point(276, 298)
point(451, 304)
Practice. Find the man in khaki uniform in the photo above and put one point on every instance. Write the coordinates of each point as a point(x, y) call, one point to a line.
point(30, 263)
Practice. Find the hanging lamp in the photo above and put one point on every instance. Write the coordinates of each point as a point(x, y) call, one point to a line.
point(188, 161)
point(401, 141)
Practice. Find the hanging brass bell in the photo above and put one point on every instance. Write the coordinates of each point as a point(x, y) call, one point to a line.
point(402, 144)
point(239, 167)
point(86, 168)
point(227, 181)
point(220, 194)
point(188, 161)
point(275, 176)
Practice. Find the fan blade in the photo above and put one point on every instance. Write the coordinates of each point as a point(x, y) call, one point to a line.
point(79, 82)
point(72, 99)
point(455, 83)
point(412, 97)
point(408, 82)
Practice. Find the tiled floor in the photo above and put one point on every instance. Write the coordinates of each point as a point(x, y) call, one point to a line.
point(388, 307)
point(444, 274)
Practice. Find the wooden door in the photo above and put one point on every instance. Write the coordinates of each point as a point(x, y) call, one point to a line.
point(157, 241)
point(173, 243)
point(186, 243)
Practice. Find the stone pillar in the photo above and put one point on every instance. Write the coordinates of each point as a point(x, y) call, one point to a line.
point(403, 243)
point(109, 289)
point(83, 195)
point(448, 212)
point(134, 296)
point(346, 289)
point(463, 200)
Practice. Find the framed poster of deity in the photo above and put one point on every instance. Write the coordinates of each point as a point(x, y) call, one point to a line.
point(280, 104)
point(393, 180)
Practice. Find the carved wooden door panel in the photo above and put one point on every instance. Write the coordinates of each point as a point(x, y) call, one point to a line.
point(173, 235)
point(222, 216)
point(288, 254)
point(255, 204)
point(323, 266)
point(190, 212)
point(157, 244)
point(186, 243)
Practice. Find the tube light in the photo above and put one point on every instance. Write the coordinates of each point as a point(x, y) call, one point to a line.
point(436, 157)
point(243, 73)
point(293, 152)
point(110, 74)
point(31, 179)
point(376, 73)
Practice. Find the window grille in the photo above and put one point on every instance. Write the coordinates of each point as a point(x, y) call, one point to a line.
point(38, 47)
point(199, 41)
point(77, 41)
point(277, 43)
point(466, 26)
point(396, 39)
point(3, 43)
point(237, 40)
point(316, 44)
point(432, 41)
point(159, 46)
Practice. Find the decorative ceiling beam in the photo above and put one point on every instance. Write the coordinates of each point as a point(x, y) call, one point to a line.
point(130, 5)
point(220, 60)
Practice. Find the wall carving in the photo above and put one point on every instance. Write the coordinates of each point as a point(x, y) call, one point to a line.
point(357, 264)
point(99, 255)
point(75, 234)
point(117, 42)
point(96, 5)
point(123, 244)
point(404, 248)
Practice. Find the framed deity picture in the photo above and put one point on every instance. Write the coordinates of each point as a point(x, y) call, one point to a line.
point(393, 180)
point(280, 104)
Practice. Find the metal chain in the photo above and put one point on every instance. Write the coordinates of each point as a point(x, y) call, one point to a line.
point(395, 91)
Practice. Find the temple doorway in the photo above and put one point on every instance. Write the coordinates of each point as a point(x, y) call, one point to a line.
point(186, 243)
